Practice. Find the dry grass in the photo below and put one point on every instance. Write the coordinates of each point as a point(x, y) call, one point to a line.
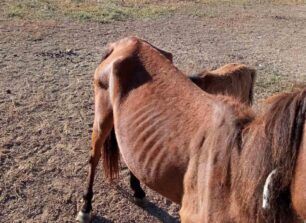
point(271, 83)
point(100, 11)
point(46, 101)
point(105, 11)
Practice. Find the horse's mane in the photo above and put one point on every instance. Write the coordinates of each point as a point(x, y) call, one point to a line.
point(270, 142)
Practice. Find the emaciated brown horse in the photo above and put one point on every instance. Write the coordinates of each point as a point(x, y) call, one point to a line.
point(236, 80)
point(182, 142)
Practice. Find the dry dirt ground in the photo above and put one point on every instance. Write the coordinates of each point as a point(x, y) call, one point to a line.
point(46, 99)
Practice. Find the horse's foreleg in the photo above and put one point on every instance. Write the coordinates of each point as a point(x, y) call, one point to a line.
point(139, 194)
point(95, 155)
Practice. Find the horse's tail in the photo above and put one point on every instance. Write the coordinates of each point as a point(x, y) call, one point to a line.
point(111, 157)
point(253, 79)
point(284, 126)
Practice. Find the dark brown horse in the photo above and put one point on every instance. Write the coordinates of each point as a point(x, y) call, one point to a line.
point(182, 142)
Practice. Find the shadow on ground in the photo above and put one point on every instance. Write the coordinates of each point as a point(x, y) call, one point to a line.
point(149, 207)
point(99, 219)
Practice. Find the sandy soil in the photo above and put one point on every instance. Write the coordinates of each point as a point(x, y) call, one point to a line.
point(46, 99)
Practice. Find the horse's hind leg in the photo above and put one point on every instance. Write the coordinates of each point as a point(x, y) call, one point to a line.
point(95, 155)
point(102, 127)
point(139, 194)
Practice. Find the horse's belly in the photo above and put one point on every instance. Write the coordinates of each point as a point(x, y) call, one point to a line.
point(154, 145)
point(159, 166)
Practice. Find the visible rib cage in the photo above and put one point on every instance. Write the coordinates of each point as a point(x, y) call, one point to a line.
point(149, 133)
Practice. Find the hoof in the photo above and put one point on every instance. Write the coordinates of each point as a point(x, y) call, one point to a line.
point(139, 201)
point(139, 195)
point(83, 217)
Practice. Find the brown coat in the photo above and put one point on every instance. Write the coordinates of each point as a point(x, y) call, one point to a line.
point(205, 152)
point(233, 79)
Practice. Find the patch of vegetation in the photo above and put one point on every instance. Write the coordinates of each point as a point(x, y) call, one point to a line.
point(253, 1)
point(101, 11)
point(290, 2)
point(34, 9)
point(201, 12)
point(152, 11)
point(16, 11)
point(117, 10)
point(271, 82)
